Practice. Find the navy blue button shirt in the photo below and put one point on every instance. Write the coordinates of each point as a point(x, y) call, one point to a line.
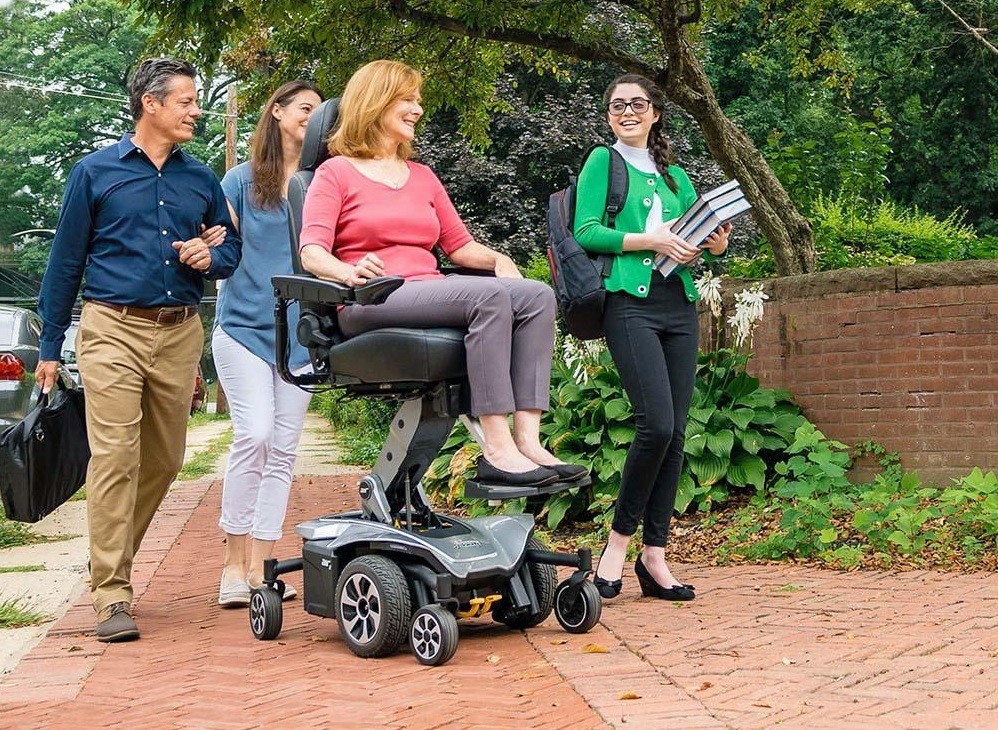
point(120, 217)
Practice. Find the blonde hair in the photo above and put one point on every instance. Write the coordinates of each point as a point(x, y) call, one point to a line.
point(371, 90)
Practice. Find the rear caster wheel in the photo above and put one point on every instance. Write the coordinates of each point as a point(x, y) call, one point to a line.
point(266, 614)
point(433, 635)
point(580, 613)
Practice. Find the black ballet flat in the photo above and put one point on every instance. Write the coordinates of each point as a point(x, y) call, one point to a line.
point(539, 477)
point(650, 588)
point(569, 472)
point(608, 588)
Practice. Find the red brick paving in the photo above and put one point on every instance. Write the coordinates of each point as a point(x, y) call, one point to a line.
point(760, 647)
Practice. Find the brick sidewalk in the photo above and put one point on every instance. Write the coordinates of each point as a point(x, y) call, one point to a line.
point(760, 646)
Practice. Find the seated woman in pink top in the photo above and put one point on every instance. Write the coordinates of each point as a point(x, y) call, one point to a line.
point(372, 212)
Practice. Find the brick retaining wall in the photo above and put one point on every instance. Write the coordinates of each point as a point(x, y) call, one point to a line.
point(906, 356)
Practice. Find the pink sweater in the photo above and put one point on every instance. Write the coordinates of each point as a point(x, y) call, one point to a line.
point(350, 215)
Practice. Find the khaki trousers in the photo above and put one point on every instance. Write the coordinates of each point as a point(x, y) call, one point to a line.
point(138, 377)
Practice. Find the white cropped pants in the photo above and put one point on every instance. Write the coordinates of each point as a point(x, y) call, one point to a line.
point(267, 417)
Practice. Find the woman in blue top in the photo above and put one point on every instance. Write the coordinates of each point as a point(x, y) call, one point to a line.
point(267, 413)
point(650, 323)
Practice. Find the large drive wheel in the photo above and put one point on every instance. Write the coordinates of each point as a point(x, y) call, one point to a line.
point(433, 635)
point(580, 614)
point(266, 613)
point(373, 606)
point(545, 579)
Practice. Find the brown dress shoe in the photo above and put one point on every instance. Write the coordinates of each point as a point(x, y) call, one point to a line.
point(115, 623)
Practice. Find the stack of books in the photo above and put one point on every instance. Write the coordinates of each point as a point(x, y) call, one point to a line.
point(710, 211)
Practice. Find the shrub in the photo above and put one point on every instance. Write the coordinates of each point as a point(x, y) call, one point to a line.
point(361, 424)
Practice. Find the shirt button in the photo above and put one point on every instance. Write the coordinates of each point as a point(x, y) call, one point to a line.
point(647, 262)
point(164, 233)
point(159, 174)
point(651, 181)
point(647, 201)
point(161, 202)
point(641, 290)
point(169, 293)
point(167, 263)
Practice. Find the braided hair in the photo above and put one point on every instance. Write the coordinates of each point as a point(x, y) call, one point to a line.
point(658, 142)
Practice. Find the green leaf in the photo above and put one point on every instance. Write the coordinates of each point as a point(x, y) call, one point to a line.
point(621, 433)
point(741, 417)
point(617, 408)
point(702, 415)
point(695, 444)
point(721, 443)
point(828, 535)
point(556, 507)
point(685, 492)
point(708, 468)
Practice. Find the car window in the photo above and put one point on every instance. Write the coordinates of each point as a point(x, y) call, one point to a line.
point(35, 326)
point(7, 324)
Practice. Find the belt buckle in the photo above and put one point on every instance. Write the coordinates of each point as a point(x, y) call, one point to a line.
point(159, 316)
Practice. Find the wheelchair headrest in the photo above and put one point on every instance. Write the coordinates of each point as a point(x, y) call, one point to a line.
point(314, 150)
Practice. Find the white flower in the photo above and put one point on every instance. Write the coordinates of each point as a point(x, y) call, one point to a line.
point(748, 313)
point(580, 354)
point(709, 287)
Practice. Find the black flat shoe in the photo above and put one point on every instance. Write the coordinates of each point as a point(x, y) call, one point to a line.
point(539, 477)
point(607, 588)
point(651, 588)
point(569, 472)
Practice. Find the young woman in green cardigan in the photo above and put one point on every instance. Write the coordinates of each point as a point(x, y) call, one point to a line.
point(650, 323)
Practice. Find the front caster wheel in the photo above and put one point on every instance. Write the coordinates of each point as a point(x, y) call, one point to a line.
point(266, 614)
point(579, 613)
point(433, 635)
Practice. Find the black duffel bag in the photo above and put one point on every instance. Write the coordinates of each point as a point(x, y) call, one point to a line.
point(43, 458)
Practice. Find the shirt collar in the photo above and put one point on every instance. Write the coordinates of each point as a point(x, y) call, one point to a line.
point(126, 147)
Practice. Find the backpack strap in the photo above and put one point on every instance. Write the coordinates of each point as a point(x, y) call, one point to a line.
point(617, 183)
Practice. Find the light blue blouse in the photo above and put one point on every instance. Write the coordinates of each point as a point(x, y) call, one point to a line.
point(245, 309)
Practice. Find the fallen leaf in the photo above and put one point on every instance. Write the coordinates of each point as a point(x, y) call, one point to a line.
point(318, 638)
point(493, 659)
point(788, 661)
point(558, 642)
point(532, 675)
point(75, 648)
point(629, 696)
point(760, 704)
point(706, 685)
point(595, 649)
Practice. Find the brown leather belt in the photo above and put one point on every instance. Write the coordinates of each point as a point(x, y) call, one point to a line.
point(159, 315)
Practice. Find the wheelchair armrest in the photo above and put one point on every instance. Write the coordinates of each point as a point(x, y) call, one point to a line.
point(310, 289)
point(445, 270)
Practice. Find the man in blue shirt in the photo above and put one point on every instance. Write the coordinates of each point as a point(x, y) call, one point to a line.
point(144, 224)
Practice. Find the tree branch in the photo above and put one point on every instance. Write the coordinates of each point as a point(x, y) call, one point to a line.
point(524, 37)
point(978, 33)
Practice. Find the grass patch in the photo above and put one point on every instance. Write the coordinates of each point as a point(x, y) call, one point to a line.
point(15, 613)
point(21, 568)
point(202, 462)
point(13, 534)
point(202, 417)
point(80, 495)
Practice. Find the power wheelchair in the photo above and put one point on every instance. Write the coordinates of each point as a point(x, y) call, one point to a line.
point(395, 570)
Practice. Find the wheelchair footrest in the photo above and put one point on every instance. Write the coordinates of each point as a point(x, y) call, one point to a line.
point(478, 490)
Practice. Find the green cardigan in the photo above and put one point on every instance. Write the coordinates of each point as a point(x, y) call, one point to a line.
point(632, 270)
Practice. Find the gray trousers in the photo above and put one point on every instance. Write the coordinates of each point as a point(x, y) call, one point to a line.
point(510, 324)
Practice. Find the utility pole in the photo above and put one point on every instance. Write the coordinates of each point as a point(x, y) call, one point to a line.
point(231, 117)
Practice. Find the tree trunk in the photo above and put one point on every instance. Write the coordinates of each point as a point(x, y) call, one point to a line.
point(788, 232)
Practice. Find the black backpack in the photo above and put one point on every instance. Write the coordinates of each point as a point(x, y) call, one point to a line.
point(578, 275)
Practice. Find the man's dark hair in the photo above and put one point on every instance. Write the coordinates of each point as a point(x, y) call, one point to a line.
point(152, 76)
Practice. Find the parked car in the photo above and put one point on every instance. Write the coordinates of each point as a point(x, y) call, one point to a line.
point(69, 352)
point(19, 331)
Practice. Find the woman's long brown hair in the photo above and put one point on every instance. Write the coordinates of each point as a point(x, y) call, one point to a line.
point(266, 150)
point(658, 140)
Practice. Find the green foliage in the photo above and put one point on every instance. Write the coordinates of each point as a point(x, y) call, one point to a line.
point(813, 511)
point(360, 425)
point(15, 613)
point(14, 533)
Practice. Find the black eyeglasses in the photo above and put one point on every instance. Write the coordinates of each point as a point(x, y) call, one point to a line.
point(618, 107)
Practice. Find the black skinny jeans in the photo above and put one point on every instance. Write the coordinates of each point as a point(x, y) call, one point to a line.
point(654, 344)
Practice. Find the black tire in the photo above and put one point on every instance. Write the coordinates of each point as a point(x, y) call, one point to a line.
point(545, 579)
point(581, 614)
point(373, 606)
point(433, 635)
point(266, 613)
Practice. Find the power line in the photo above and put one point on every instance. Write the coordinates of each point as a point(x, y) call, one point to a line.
point(19, 81)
